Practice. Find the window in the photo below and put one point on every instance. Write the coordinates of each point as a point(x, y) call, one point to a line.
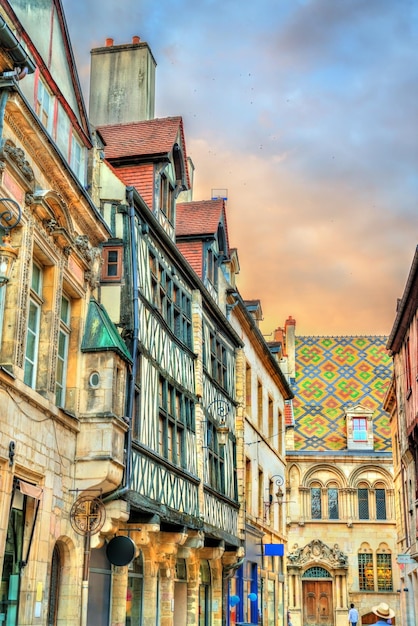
point(166, 197)
point(216, 461)
point(384, 572)
point(176, 413)
point(363, 502)
point(248, 388)
point(359, 429)
point(77, 158)
point(211, 266)
point(62, 357)
point(272, 429)
point(248, 485)
point(33, 328)
point(408, 375)
point(259, 404)
point(260, 494)
point(366, 572)
point(316, 505)
point(112, 264)
point(380, 495)
point(332, 503)
point(171, 300)
point(219, 357)
point(63, 132)
point(135, 591)
point(20, 527)
point(44, 106)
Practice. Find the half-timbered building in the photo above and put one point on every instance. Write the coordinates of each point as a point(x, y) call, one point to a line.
point(257, 586)
point(180, 481)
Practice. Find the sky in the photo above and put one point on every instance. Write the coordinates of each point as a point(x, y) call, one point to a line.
point(306, 112)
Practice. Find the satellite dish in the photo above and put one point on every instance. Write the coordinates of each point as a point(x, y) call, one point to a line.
point(120, 550)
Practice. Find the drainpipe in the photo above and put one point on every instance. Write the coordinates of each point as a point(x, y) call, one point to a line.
point(135, 341)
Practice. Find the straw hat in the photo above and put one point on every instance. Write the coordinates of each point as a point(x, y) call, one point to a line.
point(382, 610)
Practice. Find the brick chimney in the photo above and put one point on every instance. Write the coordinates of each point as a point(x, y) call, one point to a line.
point(122, 83)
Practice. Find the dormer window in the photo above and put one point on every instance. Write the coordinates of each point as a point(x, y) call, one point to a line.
point(359, 428)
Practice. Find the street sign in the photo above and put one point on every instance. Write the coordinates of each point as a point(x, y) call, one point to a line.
point(405, 559)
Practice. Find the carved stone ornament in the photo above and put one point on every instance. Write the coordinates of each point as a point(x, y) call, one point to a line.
point(318, 552)
point(17, 156)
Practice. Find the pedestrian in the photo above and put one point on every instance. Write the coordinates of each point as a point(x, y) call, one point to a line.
point(352, 615)
point(384, 613)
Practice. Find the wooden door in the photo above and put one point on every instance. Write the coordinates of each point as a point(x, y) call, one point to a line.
point(317, 603)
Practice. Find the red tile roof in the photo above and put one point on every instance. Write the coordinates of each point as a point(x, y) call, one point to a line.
point(193, 253)
point(149, 137)
point(200, 218)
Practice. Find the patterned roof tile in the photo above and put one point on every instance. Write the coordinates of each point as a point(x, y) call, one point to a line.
point(334, 374)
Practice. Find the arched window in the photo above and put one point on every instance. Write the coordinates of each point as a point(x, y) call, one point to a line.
point(380, 500)
point(332, 494)
point(316, 572)
point(363, 501)
point(54, 587)
point(316, 504)
point(384, 568)
point(366, 570)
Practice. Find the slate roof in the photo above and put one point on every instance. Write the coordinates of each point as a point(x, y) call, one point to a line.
point(101, 334)
point(332, 375)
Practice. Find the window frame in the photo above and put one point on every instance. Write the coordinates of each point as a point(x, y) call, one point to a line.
point(61, 371)
point(360, 429)
point(106, 276)
point(30, 366)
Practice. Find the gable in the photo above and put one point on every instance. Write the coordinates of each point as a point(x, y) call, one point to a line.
point(45, 33)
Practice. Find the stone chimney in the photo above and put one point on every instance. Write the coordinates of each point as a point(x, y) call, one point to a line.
point(290, 332)
point(122, 83)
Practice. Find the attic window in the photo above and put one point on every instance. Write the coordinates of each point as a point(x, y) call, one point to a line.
point(359, 429)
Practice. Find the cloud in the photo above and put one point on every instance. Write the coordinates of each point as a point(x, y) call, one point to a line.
point(305, 110)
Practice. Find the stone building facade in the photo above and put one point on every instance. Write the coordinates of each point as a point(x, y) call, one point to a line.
point(341, 526)
point(53, 394)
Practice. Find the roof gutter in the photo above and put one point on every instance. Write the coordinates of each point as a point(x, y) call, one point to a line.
point(18, 54)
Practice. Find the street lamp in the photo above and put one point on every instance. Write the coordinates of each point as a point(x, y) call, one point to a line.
point(10, 214)
point(222, 410)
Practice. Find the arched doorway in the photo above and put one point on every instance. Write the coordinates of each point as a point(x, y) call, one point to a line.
point(317, 597)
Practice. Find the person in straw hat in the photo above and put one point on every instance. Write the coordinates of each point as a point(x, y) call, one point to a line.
point(384, 613)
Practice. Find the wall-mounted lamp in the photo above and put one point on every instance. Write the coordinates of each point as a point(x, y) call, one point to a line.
point(221, 412)
point(10, 214)
point(279, 493)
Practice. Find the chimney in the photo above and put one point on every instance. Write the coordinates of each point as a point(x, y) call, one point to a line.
point(289, 329)
point(122, 83)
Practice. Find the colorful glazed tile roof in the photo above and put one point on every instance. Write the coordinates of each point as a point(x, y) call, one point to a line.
point(334, 374)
